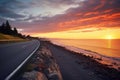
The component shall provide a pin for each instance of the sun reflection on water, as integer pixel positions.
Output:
(109, 43)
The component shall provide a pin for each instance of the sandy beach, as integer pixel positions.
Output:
(75, 66)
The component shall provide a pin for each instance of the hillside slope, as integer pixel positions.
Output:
(4, 37)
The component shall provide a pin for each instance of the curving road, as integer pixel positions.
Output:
(13, 54)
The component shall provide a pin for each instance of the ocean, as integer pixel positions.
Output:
(108, 50)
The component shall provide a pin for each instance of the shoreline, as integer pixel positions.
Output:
(89, 63)
(112, 62)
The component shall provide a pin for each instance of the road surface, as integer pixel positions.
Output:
(13, 54)
(70, 70)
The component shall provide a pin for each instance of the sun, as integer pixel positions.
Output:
(109, 37)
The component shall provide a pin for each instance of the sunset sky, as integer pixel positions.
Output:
(71, 19)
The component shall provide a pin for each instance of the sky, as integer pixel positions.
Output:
(68, 19)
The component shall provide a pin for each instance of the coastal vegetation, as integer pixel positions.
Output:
(9, 33)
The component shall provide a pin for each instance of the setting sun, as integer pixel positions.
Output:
(109, 37)
(80, 34)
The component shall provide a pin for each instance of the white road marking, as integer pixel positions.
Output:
(11, 74)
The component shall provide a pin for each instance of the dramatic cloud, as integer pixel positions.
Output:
(41, 16)
(8, 9)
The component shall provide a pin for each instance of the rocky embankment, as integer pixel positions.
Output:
(42, 66)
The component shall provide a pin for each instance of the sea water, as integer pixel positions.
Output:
(107, 49)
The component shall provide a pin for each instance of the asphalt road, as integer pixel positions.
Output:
(13, 54)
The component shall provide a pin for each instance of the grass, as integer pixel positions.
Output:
(8, 38)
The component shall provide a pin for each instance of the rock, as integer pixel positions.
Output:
(41, 76)
(30, 75)
(53, 76)
(34, 75)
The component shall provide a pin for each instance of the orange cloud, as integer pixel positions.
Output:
(102, 3)
(89, 14)
(101, 21)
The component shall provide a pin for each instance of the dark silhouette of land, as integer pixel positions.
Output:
(6, 28)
